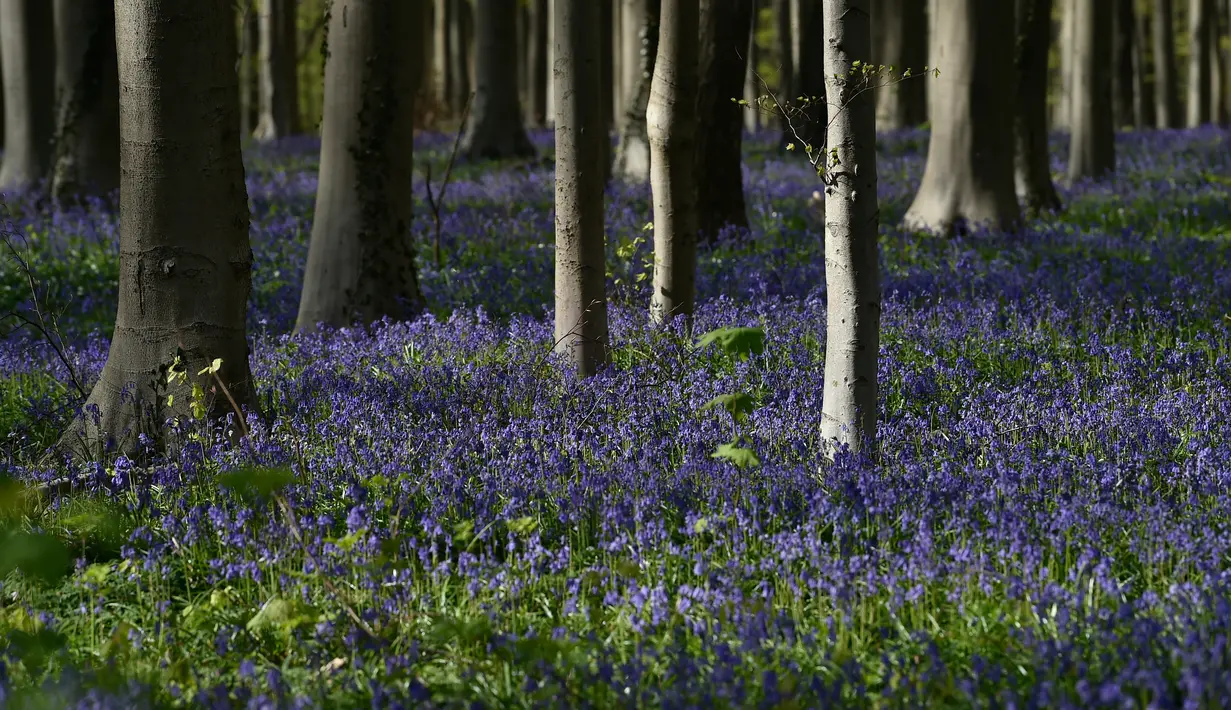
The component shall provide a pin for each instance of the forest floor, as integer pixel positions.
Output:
(435, 514)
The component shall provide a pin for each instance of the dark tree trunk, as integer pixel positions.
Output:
(1166, 94)
(1092, 147)
(898, 40)
(361, 261)
(27, 52)
(87, 144)
(1143, 80)
(807, 23)
(442, 51)
(185, 263)
(1123, 26)
(606, 81)
(495, 130)
(249, 86)
(538, 69)
(784, 59)
(1198, 63)
(1032, 163)
(726, 26)
(279, 80)
(632, 162)
(459, 54)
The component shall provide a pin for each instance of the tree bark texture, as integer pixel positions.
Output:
(1092, 147)
(726, 26)
(27, 53)
(632, 19)
(1123, 26)
(185, 262)
(1031, 161)
(632, 161)
(361, 261)
(1198, 63)
(899, 40)
(581, 300)
(537, 63)
(1166, 94)
(672, 121)
(1065, 99)
(495, 129)
(969, 173)
(606, 82)
(852, 281)
(279, 79)
(87, 139)
(752, 87)
(1143, 80)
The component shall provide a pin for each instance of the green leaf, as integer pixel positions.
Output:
(282, 616)
(38, 556)
(256, 483)
(523, 526)
(739, 404)
(740, 342)
(740, 457)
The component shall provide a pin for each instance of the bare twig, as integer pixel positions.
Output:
(436, 203)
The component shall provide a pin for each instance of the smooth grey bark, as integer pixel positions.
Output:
(1143, 80)
(752, 87)
(361, 260)
(852, 280)
(632, 160)
(1092, 147)
(87, 138)
(279, 80)
(27, 53)
(969, 173)
(495, 129)
(1065, 99)
(581, 299)
(672, 121)
(185, 262)
(1166, 94)
(1198, 63)
(725, 28)
(899, 40)
(460, 20)
(1123, 24)
(537, 68)
(1032, 165)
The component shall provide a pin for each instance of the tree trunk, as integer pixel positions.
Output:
(1032, 163)
(249, 89)
(899, 41)
(1166, 95)
(1065, 100)
(1218, 64)
(27, 53)
(537, 63)
(672, 119)
(1143, 81)
(459, 55)
(185, 263)
(808, 59)
(969, 173)
(442, 52)
(581, 300)
(752, 87)
(1092, 148)
(1122, 63)
(632, 20)
(87, 143)
(495, 130)
(784, 59)
(852, 281)
(606, 82)
(726, 26)
(632, 161)
(361, 261)
(279, 85)
(1198, 63)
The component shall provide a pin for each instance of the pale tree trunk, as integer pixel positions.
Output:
(1092, 148)
(459, 54)
(784, 58)
(495, 129)
(617, 61)
(672, 119)
(632, 161)
(852, 281)
(249, 44)
(185, 262)
(752, 88)
(1122, 62)
(1198, 63)
(537, 66)
(899, 40)
(726, 26)
(969, 173)
(1143, 82)
(279, 81)
(87, 142)
(632, 19)
(1166, 95)
(1032, 164)
(581, 299)
(549, 109)
(1065, 100)
(361, 260)
(27, 53)
(442, 52)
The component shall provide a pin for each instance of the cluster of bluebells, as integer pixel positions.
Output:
(1045, 524)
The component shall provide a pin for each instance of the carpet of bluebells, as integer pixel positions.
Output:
(465, 525)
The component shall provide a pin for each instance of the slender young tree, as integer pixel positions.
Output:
(672, 119)
(632, 160)
(87, 140)
(27, 53)
(1143, 79)
(1031, 161)
(185, 263)
(442, 67)
(1123, 24)
(495, 129)
(1198, 63)
(1166, 95)
(361, 260)
(752, 90)
(726, 26)
(852, 281)
(1092, 147)
(279, 80)
(898, 40)
(969, 173)
(581, 299)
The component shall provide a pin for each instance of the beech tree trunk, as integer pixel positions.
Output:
(581, 299)
(632, 19)
(279, 81)
(606, 83)
(1143, 81)
(442, 52)
(249, 88)
(537, 67)
(632, 161)
(87, 142)
(494, 129)
(1092, 147)
(969, 173)
(900, 40)
(1123, 26)
(185, 263)
(361, 260)
(459, 54)
(672, 119)
(1032, 162)
(852, 281)
(1065, 100)
(726, 26)
(1198, 63)
(27, 53)
(1166, 95)
(752, 86)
